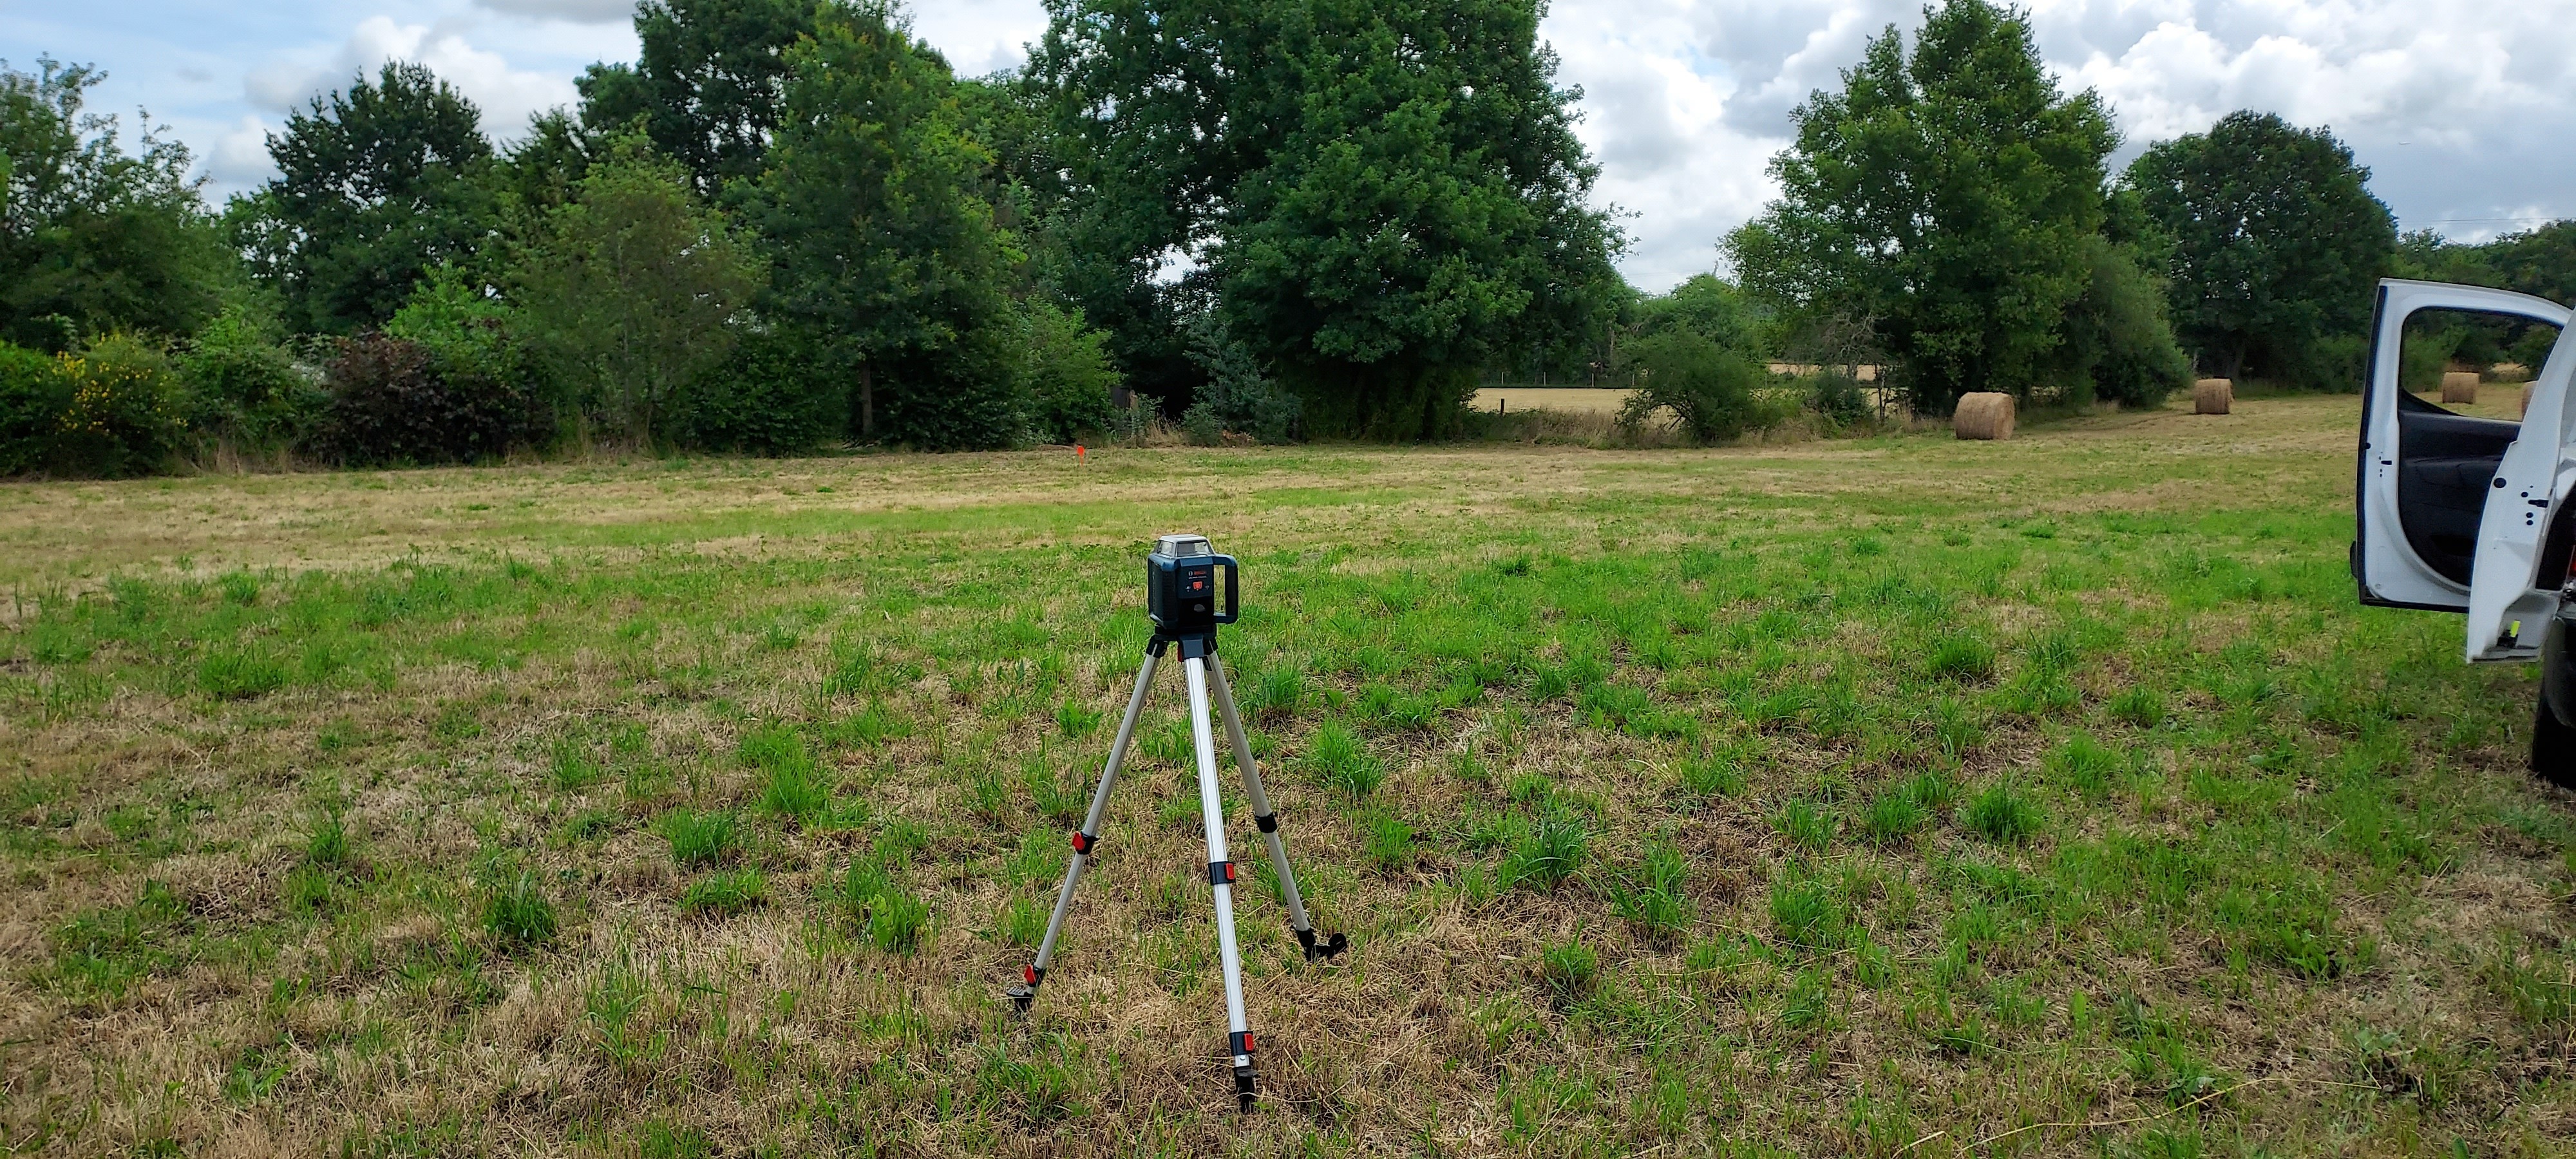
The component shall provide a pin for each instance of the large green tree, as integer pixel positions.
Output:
(1950, 195)
(708, 83)
(873, 205)
(1385, 198)
(2277, 241)
(633, 287)
(376, 186)
(92, 238)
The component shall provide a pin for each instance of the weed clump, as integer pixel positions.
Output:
(726, 893)
(1340, 761)
(2139, 707)
(1386, 842)
(1571, 971)
(2002, 815)
(1807, 827)
(701, 839)
(1550, 851)
(1961, 656)
(518, 915)
(1651, 896)
(235, 675)
(1713, 774)
(1804, 914)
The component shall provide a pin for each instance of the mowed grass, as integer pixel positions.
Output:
(1898, 797)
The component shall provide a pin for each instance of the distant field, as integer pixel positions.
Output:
(1897, 797)
(1580, 400)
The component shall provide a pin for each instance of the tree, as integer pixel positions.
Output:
(707, 85)
(1948, 195)
(882, 239)
(634, 285)
(93, 239)
(375, 186)
(1706, 305)
(2277, 242)
(1385, 200)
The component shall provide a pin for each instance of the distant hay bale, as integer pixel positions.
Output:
(1983, 416)
(2459, 386)
(2213, 396)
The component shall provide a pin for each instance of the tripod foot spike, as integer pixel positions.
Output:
(1246, 1089)
(1325, 950)
(1027, 991)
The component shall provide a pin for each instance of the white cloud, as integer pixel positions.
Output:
(506, 95)
(574, 11)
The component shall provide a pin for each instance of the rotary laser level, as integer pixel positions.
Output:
(1189, 590)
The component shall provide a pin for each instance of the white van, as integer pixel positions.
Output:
(2462, 514)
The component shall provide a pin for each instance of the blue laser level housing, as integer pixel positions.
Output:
(1189, 588)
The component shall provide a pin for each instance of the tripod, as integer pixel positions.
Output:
(1181, 578)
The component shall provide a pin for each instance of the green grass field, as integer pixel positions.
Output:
(1889, 797)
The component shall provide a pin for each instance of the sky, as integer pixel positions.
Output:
(2464, 110)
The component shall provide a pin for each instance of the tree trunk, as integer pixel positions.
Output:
(867, 403)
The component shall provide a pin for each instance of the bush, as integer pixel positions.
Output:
(125, 416)
(35, 392)
(1837, 396)
(2118, 346)
(1066, 373)
(396, 401)
(1710, 387)
(1238, 396)
(245, 387)
(776, 392)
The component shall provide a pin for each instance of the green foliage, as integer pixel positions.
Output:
(1711, 388)
(1341, 760)
(1238, 395)
(1714, 774)
(519, 915)
(1552, 849)
(1396, 196)
(1894, 816)
(705, 83)
(792, 784)
(126, 414)
(1948, 195)
(725, 893)
(1571, 970)
(35, 393)
(872, 206)
(1804, 913)
(377, 185)
(237, 674)
(1386, 842)
(1065, 371)
(2118, 347)
(1652, 894)
(2002, 815)
(2276, 241)
(244, 386)
(1962, 656)
(893, 918)
(1807, 828)
(633, 288)
(1710, 307)
(95, 240)
(700, 839)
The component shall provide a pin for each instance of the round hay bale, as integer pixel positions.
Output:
(1983, 415)
(2213, 396)
(2459, 386)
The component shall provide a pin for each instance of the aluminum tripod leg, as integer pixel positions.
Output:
(1220, 873)
(1267, 821)
(1089, 835)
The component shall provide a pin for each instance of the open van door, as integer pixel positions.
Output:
(2425, 476)
(2521, 565)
